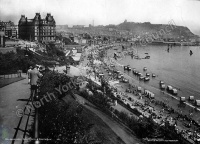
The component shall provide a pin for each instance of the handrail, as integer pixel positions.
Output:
(36, 122)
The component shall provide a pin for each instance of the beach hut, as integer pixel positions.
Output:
(133, 70)
(115, 102)
(197, 102)
(151, 95)
(119, 76)
(162, 86)
(182, 99)
(169, 88)
(148, 93)
(128, 68)
(136, 72)
(145, 69)
(191, 98)
(139, 89)
(174, 91)
(139, 74)
(161, 82)
(125, 67)
(101, 75)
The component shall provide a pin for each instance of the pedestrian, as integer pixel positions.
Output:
(34, 77)
(28, 73)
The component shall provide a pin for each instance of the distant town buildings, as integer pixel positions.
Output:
(78, 26)
(2, 39)
(9, 29)
(37, 29)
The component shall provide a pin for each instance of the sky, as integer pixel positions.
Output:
(103, 12)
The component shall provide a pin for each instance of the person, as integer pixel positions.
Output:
(34, 77)
(28, 73)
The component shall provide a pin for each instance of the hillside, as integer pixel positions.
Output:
(141, 28)
(132, 29)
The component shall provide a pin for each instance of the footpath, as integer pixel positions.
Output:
(120, 130)
(13, 99)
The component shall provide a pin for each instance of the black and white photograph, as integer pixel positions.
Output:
(99, 71)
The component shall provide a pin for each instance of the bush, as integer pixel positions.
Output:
(59, 121)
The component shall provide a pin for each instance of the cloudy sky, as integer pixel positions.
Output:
(103, 12)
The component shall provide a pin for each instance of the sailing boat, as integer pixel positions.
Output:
(147, 56)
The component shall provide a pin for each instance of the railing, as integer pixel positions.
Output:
(14, 75)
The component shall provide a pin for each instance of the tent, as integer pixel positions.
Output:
(191, 98)
(197, 102)
(182, 99)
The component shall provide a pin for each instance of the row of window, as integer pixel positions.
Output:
(45, 33)
(45, 38)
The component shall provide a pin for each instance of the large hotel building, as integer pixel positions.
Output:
(37, 29)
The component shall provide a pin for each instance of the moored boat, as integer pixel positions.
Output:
(146, 79)
(141, 77)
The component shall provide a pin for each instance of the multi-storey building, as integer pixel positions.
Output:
(9, 29)
(37, 29)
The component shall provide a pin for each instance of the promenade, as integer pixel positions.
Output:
(13, 98)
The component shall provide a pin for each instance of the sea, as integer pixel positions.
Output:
(175, 66)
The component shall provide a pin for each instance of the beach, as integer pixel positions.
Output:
(153, 85)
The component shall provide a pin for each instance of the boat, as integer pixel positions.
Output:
(147, 57)
(153, 75)
(140, 74)
(147, 74)
(146, 79)
(191, 52)
(141, 78)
